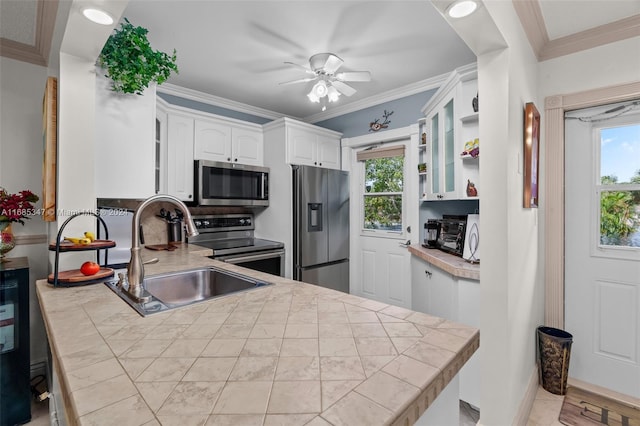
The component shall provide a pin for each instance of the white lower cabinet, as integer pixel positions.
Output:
(436, 292)
(180, 156)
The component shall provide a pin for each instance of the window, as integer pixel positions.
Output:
(384, 185)
(618, 188)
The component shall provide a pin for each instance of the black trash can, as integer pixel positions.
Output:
(554, 351)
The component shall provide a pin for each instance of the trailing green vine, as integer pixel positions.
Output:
(130, 61)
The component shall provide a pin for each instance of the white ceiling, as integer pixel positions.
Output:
(237, 49)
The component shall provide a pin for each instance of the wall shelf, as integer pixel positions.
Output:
(472, 118)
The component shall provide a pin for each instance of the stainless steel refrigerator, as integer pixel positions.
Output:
(321, 227)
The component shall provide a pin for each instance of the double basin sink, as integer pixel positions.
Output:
(176, 289)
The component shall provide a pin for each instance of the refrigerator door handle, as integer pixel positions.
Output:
(314, 217)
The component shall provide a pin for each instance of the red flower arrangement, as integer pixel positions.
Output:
(16, 207)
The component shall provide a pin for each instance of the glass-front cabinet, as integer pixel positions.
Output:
(449, 150)
(441, 181)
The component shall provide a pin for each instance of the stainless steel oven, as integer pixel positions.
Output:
(231, 239)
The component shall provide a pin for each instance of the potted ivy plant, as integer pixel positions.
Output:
(131, 63)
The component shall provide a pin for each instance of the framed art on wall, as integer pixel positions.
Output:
(531, 155)
(49, 138)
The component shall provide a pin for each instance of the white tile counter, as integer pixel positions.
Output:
(289, 353)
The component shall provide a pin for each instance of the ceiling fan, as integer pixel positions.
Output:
(323, 67)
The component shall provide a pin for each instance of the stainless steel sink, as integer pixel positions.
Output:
(176, 289)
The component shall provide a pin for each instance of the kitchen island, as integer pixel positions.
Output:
(289, 353)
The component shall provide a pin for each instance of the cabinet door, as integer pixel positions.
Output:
(180, 157)
(161, 152)
(247, 146)
(328, 152)
(212, 141)
(124, 139)
(302, 147)
(448, 149)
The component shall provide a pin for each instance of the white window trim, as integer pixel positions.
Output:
(380, 233)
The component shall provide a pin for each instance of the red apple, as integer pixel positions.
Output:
(89, 268)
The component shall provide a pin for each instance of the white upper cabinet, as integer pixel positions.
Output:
(219, 141)
(124, 142)
(313, 148)
(451, 127)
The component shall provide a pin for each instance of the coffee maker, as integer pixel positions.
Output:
(431, 233)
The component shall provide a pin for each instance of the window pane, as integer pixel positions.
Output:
(435, 154)
(449, 178)
(383, 212)
(620, 155)
(384, 174)
(620, 218)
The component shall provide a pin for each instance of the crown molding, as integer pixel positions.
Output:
(532, 21)
(38, 53)
(391, 95)
(401, 92)
(598, 36)
(206, 98)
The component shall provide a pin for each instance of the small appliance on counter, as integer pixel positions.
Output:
(452, 234)
(431, 231)
(471, 251)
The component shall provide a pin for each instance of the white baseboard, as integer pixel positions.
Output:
(526, 404)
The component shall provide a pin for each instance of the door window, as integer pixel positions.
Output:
(618, 189)
(383, 188)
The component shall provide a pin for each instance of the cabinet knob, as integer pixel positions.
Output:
(320, 164)
(235, 159)
(228, 158)
(315, 163)
(189, 195)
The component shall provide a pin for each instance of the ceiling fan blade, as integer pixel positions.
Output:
(307, 70)
(345, 89)
(332, 64)
(301, 80)
(354, 76)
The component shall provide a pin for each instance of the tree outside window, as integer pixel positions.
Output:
(384, 180)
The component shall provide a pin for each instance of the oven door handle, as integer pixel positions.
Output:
(250, 257)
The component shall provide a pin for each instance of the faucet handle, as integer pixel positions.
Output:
(121, 281)
(151, 261)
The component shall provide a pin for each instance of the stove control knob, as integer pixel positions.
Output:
(241, 221)
(205, 223)
(197, 223)
(248, 222)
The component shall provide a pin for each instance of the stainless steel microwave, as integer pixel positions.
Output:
(230, 184)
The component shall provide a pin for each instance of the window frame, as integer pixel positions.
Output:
(381, 233)
(598, 249)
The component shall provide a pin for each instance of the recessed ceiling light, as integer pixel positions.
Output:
(462, 8)
(98, 16)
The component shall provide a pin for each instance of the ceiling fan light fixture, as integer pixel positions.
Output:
(97, 15)
(333, 94)
(312, 97)
(320, 89)
(462, 8)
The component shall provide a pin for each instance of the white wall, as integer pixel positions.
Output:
(603, 66)
(21, 154)
(512, 285)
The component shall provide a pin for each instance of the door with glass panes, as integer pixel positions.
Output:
(602, 245)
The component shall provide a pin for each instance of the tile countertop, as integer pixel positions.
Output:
(291, 353)
(456, 266)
